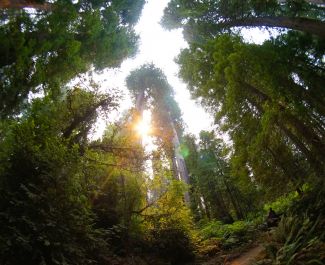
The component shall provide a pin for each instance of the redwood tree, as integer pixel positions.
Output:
(201, 19)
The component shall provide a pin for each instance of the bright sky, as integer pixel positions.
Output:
(159, 47)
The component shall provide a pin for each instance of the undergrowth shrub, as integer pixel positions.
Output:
(172, 244)
(299, 237)
(297, 241)
(283, 203)
(230, 235)
(45, 215)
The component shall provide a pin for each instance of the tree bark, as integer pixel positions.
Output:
(307, 25)
(20, 4)
(139, 104)
(304, 131)
(175, 169)
(286, 169)
(221, 209)
(139, 108)
(315, 2)
(234, 202)
(310, 156)
(84, 117)
(180, 162)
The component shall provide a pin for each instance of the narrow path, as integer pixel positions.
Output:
(249, 257)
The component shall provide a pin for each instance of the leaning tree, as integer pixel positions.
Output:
(206, 19)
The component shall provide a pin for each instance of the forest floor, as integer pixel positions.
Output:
(247, 257)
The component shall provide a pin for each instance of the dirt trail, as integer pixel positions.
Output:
(249, 257)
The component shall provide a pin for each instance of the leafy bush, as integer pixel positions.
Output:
(213, 229)
(172, 244)
(297, 241)
(283, 203)
(209, 247)
(230, 234)
(299, 237)
(45, 214)
(312, 203)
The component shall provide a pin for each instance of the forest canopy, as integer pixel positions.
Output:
(256, 178)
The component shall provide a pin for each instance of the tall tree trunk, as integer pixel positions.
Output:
(309, 136)
(233, 200)
(310, 156)
(292, 172)
(175, 168)
(307, 25)
(139, 108)
(180, 162)
(315, 99)
(304, 131)
(139, 104)
(221, 209)
(20, 4)
(202, 208)
(90, 112)
(315, 2)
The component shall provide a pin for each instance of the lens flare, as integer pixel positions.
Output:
(143, 128)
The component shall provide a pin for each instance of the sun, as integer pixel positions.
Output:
(143, 127)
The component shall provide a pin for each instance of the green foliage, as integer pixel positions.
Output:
(205, 19)
(297, 241)
(168, 222)
(150, 84)
(45, 50)
(65, 199)
(172, 244)
(230, 235)
(45, 208)
(283, 203)
(299, 237)
(312, 201)
(261, 109)
(213, 229)
(168, 209)
(215, 191)
(121, 187)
